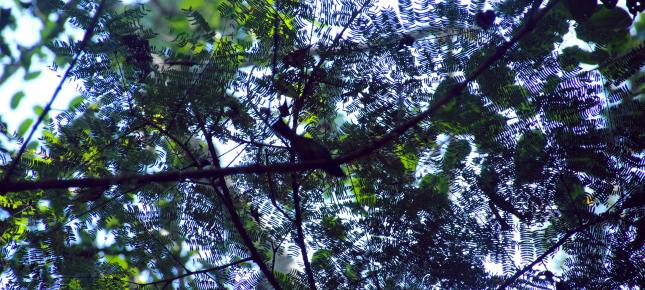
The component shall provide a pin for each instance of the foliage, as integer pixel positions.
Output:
(521, 140)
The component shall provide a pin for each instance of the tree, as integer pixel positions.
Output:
(454, 140)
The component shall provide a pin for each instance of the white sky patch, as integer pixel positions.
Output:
(493, 268)
(556, 263)
(571, 39)
(143, 277)
(39, 90)
(104, 239)
(4, 214)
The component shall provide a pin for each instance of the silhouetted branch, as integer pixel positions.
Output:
(41, 117)
(228, 202)
(552, 249)
(456, 90)
(273, 192)
(169, 176)
(190, 273)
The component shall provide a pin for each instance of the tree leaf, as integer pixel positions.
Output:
(76, 101)
(38, 109)
(25, 126)
(32, 75)
(15, 100)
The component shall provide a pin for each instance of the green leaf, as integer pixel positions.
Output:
(606, 27)
(38, 109)
(321, 254)
(432, 194)
(365, 198)
(572, 56)
(76, 101)
(436, 183)
(588, 161)
(530, 157)
(333, 227)
(33, 145)
(32, 75)
(455, 155)
(407, 158)
(26, 63)
(321, 259)
(15, 100)
(350, 273)
(24, 126)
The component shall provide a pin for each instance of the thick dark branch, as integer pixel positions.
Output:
(170, 176)
(254, 143)
(300, 237)
(86, 39)
(103, 277)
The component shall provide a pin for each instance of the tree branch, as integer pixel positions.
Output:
(169, 280)
(230, 207)
(456, 90)
(168, 176)
(86, 39)
(300, 237)
(552, 249)
(189, 273)
(273, 192)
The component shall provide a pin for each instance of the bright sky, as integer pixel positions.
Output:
(39, 90)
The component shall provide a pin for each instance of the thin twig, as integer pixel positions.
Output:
(190, 273)
(86, 39)
(552, 249)
(444, 99)
(272, 191)
(225, 196)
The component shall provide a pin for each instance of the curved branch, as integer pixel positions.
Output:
(273, 192)
(300, 237)
(169, 280)
(41, 117)
(552, 249)
(168, 176)
(456, 90)
(225, 196)
(190, 273)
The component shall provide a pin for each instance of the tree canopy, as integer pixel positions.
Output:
(430, 144)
